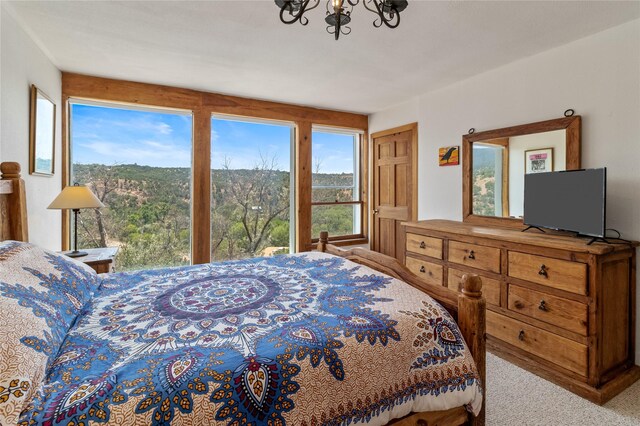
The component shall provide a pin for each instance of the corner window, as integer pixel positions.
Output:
(336, 206)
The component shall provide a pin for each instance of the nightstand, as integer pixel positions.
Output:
(102, 260)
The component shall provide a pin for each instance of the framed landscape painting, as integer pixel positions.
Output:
(42, 131)
(538, 160)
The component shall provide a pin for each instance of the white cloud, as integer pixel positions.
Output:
(137, 124)
(163, 128)
(214, 135)
(149, 152)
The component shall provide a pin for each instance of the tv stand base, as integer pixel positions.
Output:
(598, 239)
(534, 227)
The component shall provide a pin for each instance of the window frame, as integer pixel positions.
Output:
(203, 104)
(358, 161)
(67, 225)
(292, 165)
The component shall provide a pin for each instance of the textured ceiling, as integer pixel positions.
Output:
(241, 48)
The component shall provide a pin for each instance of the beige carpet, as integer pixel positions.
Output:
(517, 397)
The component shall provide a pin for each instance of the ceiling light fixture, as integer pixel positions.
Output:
(339, 13)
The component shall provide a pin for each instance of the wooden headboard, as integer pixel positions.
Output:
(13, 204)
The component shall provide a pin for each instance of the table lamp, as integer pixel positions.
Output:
(74, 198)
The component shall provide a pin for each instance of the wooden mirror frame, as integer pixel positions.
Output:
(34, 124)
(571, 124)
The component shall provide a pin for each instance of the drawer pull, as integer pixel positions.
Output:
(422, 245)
(518, 304)
(543, 271)
(521, 335)
(472, 255)
(543, 306)
(422, 269)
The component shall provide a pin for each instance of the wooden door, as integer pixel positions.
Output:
(394, 187)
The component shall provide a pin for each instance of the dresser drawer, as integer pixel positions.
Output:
(490, 287)
(568, 314)
(551, 347)
(427, 246)
(430, 272)
(475, 256)
(556, 273)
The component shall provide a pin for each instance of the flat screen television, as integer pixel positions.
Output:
(573, 200)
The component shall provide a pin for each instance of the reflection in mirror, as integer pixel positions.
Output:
(499, 166)
(42, 130)
(490, 177)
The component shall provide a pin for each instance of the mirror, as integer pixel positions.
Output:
(42, 131)
(496, 161)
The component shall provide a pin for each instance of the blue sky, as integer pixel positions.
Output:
(244, 144)
(120, 136)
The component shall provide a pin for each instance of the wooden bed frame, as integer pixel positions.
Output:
(468, 307)
(13, 204)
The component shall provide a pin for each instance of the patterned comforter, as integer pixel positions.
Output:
(288, 340)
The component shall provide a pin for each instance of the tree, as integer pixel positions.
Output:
(147, 214)
(317, 165)
(260, 197)
(102, 180)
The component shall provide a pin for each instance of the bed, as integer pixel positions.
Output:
(328, 337)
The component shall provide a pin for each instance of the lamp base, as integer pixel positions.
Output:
(76, 253)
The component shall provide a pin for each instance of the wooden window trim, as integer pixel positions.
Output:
(204, 105)
(334, 203)
(363, 183)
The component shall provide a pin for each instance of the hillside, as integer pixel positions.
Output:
(148, 213)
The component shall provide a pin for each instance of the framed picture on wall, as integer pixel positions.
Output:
(538, 160)
(449, 156)
(42, 133)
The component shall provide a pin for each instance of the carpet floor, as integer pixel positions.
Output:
(517, 397)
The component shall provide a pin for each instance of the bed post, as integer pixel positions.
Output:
(472, 318)
(322, 243)
(16, 203)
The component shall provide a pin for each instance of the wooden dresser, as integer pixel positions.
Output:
(555, 306)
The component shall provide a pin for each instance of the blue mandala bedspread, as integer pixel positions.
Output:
(288, 340)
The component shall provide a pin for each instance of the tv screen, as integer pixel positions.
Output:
(573, 200)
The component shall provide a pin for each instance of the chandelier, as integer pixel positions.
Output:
(339, 13)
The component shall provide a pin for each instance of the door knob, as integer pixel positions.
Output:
(375, 211)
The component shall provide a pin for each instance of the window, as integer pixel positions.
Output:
(252, 188)
(335, 194)
(138, 163)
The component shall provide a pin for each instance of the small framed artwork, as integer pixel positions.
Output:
(538, 160)
(42, 133)
(449, 156)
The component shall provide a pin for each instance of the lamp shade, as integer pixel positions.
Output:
(75, 197)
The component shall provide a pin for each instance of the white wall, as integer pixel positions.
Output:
(517, 146)
(598, 76)
(23, 63)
